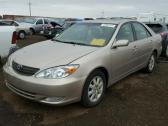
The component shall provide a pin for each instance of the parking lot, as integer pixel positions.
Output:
(138, 100)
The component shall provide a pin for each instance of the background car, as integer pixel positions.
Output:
(35, 24)
(21, 29)
(161, 28)
(54, 28)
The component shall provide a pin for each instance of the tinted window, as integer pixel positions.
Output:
(40, 21)
(157, 28)
(7, 22)
(3, 24)
(45, 21)
(141, 32)
(125, 33)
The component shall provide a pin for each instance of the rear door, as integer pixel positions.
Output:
(143, 44)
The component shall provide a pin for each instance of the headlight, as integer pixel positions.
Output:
(57, 72)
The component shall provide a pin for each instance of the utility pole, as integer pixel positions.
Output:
(102, 13)
(30, 8)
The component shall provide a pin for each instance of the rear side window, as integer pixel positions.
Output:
(7, 22)
(40, 21)
(140, 31)
(125, 33)
(157, 28)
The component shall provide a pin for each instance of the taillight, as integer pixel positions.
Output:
(14, 38)
(163, 34)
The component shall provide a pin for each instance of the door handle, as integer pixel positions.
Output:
(134, 48)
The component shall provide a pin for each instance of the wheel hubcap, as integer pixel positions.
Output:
(22, 35)
(95, 89)
(151, 63)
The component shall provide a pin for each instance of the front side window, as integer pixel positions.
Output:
(141, 32)
(125, 33)
(91, 34)
(45, 21)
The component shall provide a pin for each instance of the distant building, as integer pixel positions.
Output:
(152, 17)
(14, 17)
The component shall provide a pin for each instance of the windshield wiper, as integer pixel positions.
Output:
(58, 40)
(74, 43)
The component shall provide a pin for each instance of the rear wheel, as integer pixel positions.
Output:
(22, 35)
(94, 89)
(151, 63)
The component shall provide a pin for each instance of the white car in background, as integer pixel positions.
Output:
(22, 29)
(36, 25)
(8, 39)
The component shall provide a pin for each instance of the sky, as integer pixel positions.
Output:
(83, 8)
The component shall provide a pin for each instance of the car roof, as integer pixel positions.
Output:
(111, 21)
(6, 20)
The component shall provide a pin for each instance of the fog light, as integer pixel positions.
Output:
(53, 99)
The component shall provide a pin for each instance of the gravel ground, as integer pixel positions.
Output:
(138, 100)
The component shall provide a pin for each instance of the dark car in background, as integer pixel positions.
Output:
(55, 27)
(162, 29)
(52, 29)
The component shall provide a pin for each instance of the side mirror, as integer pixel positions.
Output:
(120, 43)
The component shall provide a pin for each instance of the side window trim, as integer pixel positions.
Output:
(134, 33)
(147, 31)
(134, 37)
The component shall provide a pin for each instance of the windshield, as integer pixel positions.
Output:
(91, 34)
(28, 20)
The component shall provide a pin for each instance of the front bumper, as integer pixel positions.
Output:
(55, 91)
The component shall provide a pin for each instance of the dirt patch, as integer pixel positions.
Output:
(30, 40)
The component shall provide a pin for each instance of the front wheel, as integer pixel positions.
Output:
(94, 89)
(151, 63)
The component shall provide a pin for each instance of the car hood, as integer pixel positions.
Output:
(49, 54)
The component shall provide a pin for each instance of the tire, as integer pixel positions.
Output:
(93, 93)
(32, 32)
(151, 64)
(22, 34)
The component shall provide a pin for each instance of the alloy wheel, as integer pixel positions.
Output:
(95, 89)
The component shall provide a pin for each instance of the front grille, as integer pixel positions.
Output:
(24, 70)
